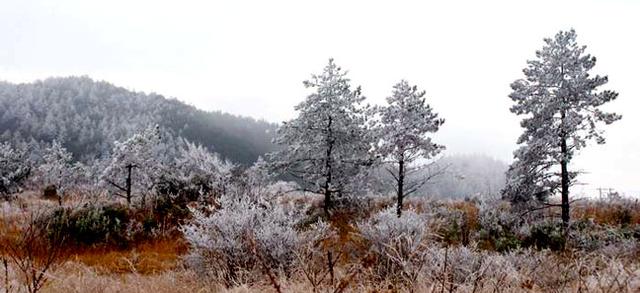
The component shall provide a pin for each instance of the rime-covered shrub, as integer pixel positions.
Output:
(467, 269)
(14, 168)
(623, 249)
(241, 237)
(499, 228)
(254, 182)
(463, 268)
(397, 242)
(453, 222)
(312, 243)
(198, 176)
(358, 206)
(451, 230)
(586, 235)
(198, 173)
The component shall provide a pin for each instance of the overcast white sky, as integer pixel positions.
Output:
(250, 58)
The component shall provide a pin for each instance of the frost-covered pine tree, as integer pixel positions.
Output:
(406, 122)
(136, 164)
(14, 168)
(561, 103)
(327, 146)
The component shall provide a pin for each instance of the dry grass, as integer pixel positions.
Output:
(146, 258)
(76, 277)
(156, 266)
(608, 212)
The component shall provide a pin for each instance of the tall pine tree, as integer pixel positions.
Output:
(561, 104)
(406, 122)
(327, 146)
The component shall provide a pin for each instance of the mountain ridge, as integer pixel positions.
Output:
(88, 116)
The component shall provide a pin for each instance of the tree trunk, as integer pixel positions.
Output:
(128, 184)
(327, 191)
(327, 199)
(564, 161)
(400, 186)
(328, 175)
(564, 183)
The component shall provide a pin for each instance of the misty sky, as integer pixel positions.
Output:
(250, 58)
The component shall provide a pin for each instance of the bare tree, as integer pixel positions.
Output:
(38, 248)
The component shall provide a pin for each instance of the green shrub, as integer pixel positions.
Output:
(636, 232)
(171, 209)
(507, 242)
(454, 226)
(91, 225)
(623, 216)
(546, 234)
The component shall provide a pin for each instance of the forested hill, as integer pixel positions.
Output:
(87, 116)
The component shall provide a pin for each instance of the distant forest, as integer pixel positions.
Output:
(88, 116)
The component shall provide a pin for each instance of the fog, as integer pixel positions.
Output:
(250, 57)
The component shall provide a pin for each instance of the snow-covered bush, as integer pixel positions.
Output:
(241, 237)
(452, 225)
(200, 171)
(588, 236)
(499, 227)
(457, 266)
(317, 243)
(397, 242)
(254, 182)
(624, 249)
(14, 168)
(466, 269)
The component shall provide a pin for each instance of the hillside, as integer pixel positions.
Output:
(88, 116)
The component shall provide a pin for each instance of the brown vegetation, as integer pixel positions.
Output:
(453, 258)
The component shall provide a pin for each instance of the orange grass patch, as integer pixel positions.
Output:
(471, 213)
(9, 230)
(146, 258)
(622, 212)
